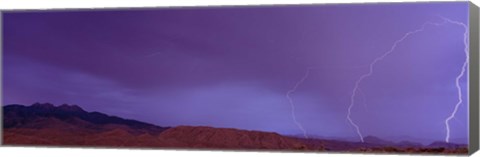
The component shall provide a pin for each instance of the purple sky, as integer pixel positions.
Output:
(232, 66)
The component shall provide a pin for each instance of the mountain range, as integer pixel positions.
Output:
(70, 125)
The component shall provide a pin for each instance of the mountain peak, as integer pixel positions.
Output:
(19, 115)
(376, 140)
(43, 105)
(372, 138)
(63, 107)
(71, 108)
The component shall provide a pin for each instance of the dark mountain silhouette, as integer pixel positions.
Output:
(46, 124)
(423, 141)
(19, 116)
(377, 141)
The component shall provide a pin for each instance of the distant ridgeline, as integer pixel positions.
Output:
(70, 125)
(46, 124)
(19, 116)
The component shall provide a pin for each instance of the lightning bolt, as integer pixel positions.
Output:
(380, 58)
(459, 76)
(363, 97)
(292, 105)
(294, 89)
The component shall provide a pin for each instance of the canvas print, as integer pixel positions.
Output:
(361, 78)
